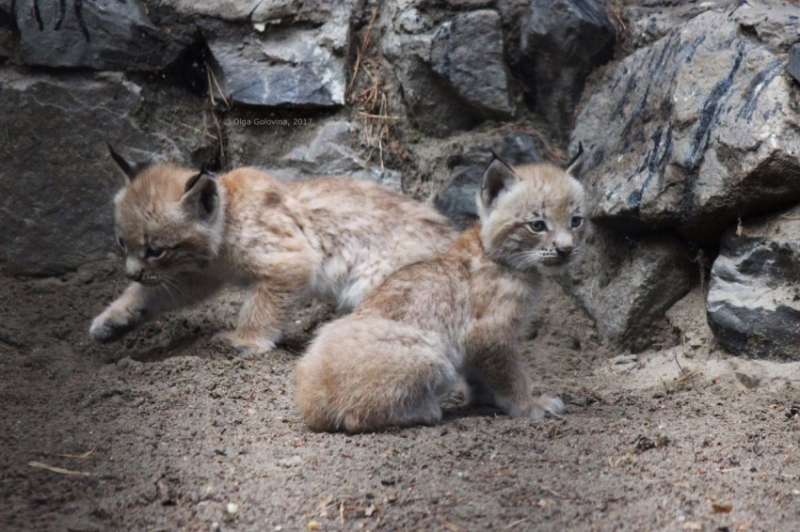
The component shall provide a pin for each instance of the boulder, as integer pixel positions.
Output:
(282, 67)
(561, 41)
(292, 151)
(691, 133)
(314, 11)
(650, 20)
(467, 51)
(627, 284)
(328, 152)
(775, 24)
(754, 290)
(452, 71)
(56, 178)
(457, 199)
(99, 35)
(300, 62)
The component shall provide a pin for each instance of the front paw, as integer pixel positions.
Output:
(245, 345)
(547, 404)
(110, 326)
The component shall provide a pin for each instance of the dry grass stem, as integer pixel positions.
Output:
(61, 471)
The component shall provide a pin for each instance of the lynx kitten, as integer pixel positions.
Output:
(458, 316)
(186, 234)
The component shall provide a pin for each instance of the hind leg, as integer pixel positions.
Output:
(367, 373)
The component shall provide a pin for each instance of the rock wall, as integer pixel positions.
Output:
(688, 111)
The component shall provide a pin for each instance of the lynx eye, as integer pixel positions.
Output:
(537, 227)
(121, 243)
(576, 222)
(154, 253)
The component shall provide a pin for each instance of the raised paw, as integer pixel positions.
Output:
(547, 404)
(110, 326)
(245, 346)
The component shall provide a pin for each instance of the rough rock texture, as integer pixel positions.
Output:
(561, 41)
(651, 20)
(692, 132)
(328, 153)
(754, 291)
(280, 68)
(776, 24)
(457, 199)
(467, 51)
(451, 71)
(56, 180)
(101, 35)
(316, 11)
(297, 62)
(626, 284)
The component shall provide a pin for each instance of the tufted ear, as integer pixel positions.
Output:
(574, 165)
(498, 178)
(129, 169)
(201, 197)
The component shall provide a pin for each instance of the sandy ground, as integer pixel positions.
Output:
(163, 431)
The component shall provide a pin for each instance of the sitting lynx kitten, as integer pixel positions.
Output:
(186, 234)
(460, 315)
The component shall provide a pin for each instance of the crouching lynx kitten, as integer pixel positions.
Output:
(460, 315)
(186, 234)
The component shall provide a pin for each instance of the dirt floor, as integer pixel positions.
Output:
(164, 431)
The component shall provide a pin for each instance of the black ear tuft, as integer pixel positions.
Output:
(200, 194)
(192, 181)
(128, 168)
(574, 165)
(497, 178)
(195, 178)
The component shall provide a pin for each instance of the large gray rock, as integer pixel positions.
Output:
(329, 152)
(775, 23)
(101, 35)
(650, 20)
(452, 71)
(316, 11)
(467, 51)
(754, 291)
(691, 133)
(293, 151)
(457, 199)
(561, 41)
(300, 62)
(282, 67)
(56, 178)
(627, 284)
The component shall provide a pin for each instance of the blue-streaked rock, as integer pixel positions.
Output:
(692, 132)
(754, 291)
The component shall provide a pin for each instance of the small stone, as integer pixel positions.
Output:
(232, 508)
(294, 461)
(624, 359)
